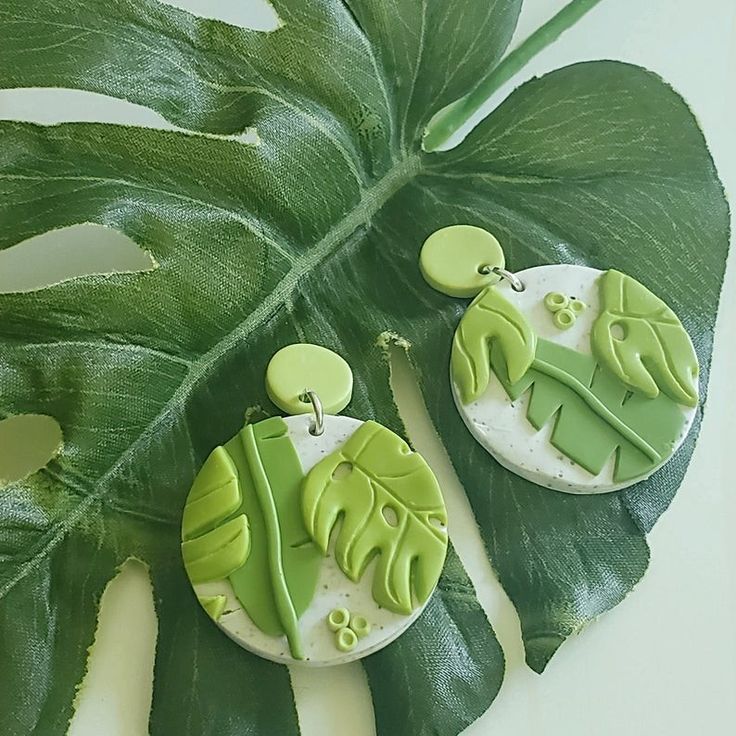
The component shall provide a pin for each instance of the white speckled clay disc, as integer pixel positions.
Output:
(334, 590)
(501, 425)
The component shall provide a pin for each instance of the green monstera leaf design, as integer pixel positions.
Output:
(309, 231)
(491, 320)
(653, 351)
(388, 503)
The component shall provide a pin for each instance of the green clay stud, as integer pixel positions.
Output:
(564, 318)
(360, 626)
(346, 640)
(577, 306)
(459, 260)
(338, 619)
(328, 374)
(554, 301)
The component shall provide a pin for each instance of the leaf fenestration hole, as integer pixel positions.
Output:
(27, 443)
(389, 514)
(342, 471)
(618, 331)
(258, 15)
(120, 662)
(67, 253)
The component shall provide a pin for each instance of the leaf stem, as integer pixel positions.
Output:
(451, 118)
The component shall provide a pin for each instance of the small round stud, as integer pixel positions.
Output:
(555, 301)
(577, 306)
(346, 640)
(460, 260)
(301, 368)
(564, 318)
(338, 618)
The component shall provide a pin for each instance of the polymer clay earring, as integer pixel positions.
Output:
(579, 380)
(313, 538)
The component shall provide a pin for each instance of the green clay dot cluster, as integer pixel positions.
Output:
(348, 628)
(565, 310)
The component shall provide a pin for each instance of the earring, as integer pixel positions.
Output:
(576, 379)
(314, 537)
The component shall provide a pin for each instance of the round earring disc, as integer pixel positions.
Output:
(302, 367)
(458, 260)
(501, 425)
(334, 590)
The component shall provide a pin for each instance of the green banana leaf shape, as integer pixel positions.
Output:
(595, 414)
(655, 352)
(491, 319)
(391, 506)
(212, 549)
(257, 475)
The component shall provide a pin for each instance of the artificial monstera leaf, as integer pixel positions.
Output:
(388, 503)
(312, 233)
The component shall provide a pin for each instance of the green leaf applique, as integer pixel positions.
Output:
(278, 580)
(212, 549)
(595, 414)
(491, 319)
(391, 506)
(653, 351)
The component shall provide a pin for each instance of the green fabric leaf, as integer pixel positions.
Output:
(654, 351)
(388, 503)
(491, 319)
(311, 235)
(418, 678)
(594, 414)
(147, 373)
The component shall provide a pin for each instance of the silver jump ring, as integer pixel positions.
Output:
(516, 283)
(318, 422)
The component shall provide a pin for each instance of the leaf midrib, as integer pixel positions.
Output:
(597, 406)
(371, 201)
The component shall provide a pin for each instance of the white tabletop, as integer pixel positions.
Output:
(662, 662)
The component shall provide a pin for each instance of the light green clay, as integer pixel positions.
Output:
(275, 577)
(346, 640)
(640, 339)
(338, 619)
(389, 504)
(595, 415)
(217, 553)
(457, 260)
(359, 624)
(302, 367)
(555, 301)
(564, 318)
(214, 495)
(577, 306)
(213, 604)
(278, 581)
(490, 320)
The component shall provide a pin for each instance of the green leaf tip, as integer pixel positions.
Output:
(381, 475)
(213, 604)
(491, 320)
(641, 341)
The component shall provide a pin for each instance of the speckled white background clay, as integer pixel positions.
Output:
(501, 426)
(334, 589)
